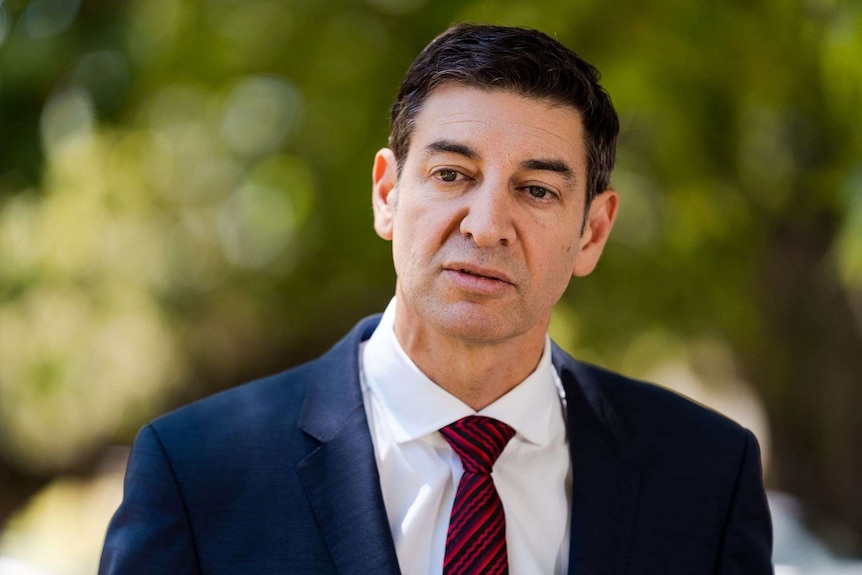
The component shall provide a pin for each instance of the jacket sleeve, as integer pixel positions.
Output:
(747, 538)
(150, 533)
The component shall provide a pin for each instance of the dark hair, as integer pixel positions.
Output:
(521, 60)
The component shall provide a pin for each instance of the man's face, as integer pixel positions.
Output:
(486, 217)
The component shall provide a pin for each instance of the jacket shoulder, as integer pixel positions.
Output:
(275, 393)
(656, 423)
(645, 402)
(272, 404)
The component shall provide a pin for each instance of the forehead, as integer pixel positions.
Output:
(500, 122)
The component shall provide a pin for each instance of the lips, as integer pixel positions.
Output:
(479, 271)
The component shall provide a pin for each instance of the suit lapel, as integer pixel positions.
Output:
(605, 484)
(340, 476)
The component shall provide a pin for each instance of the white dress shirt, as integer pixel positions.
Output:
(419, 471)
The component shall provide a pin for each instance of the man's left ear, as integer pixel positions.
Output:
(603, 212)
(384, 180)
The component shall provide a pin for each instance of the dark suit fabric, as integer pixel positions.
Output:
(279, 476)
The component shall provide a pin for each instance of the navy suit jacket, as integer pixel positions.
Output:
(279, 476)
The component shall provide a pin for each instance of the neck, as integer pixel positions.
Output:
(476, 373)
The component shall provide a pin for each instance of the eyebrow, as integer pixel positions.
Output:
(557, 166)
(448, 146)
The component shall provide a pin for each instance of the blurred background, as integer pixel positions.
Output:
(185, 205)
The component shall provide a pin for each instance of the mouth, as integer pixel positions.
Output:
(479, 272)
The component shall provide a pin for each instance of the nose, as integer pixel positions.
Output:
(488, 220)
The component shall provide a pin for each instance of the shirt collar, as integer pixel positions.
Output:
(415, 406)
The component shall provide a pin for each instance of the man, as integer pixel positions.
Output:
(451, 435)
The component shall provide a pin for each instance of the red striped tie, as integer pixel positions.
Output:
(476, 541)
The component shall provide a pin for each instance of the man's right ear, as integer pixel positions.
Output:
(384, 191)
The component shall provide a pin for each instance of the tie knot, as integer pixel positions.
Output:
(478, 441)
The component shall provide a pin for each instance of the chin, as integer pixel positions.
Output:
(476, 325)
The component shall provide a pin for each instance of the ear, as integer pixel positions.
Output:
(384, 178)
(600, 220)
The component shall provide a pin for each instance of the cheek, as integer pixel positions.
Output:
(566, 259)
(409, 248)
(402, 246)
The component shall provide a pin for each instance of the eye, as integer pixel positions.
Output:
(447, 175)
(538, 191)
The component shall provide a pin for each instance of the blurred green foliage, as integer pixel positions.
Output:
(184, 204)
